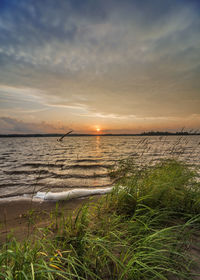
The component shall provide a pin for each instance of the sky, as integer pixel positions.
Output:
(110, 65)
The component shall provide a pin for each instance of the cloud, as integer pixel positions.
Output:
(104, 58)
(14, 126)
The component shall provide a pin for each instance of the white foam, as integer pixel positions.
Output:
(66, 195)
(21, 198)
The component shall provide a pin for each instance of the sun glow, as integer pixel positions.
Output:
(98, 129)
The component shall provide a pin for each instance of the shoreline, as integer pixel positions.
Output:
(15, 215)
(153, 223)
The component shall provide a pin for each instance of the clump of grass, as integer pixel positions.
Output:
(139, 231)
(169, 184)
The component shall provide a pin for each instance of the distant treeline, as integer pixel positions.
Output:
(149, 133)
(170, 133)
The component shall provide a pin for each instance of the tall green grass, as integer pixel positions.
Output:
(139, 231)
(169, 184)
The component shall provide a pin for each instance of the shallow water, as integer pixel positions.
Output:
(28, 165)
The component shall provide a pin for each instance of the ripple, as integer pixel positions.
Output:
(88, 166)
(26, 172)
(39, 163)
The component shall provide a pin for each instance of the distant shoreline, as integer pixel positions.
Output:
(158, 133)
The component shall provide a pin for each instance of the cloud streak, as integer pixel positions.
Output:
(14, 126)
(101, 58)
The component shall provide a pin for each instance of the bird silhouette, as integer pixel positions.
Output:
(61, 138)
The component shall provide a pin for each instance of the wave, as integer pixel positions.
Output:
(76, 193)
(78, 176)
(2, 158)
(31, 189)
(71, 166)
(37, 165)
(87, 166)
(76, 185)
(6, 185)
(88, 160)
(26, 172)
(50, 174)
(55, 196)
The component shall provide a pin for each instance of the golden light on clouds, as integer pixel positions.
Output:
(124, 69)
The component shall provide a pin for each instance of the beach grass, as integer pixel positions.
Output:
(141, 230)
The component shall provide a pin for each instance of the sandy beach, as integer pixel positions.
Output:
(15, 215)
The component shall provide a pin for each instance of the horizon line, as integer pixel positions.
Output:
(149, 133)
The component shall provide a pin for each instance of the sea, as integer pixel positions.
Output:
(33, 164)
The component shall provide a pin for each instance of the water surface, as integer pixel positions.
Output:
(28, 165)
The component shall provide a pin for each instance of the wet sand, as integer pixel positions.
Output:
(21, 218)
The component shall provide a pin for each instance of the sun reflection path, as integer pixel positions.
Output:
(98, 147)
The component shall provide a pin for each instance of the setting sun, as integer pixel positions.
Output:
(98, 129)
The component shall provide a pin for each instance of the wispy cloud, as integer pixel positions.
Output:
(101, 59)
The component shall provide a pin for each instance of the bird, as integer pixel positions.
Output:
(61, 138)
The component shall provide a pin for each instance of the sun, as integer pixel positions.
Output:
(98, 129)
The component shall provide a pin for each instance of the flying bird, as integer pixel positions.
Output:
(61, 138)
